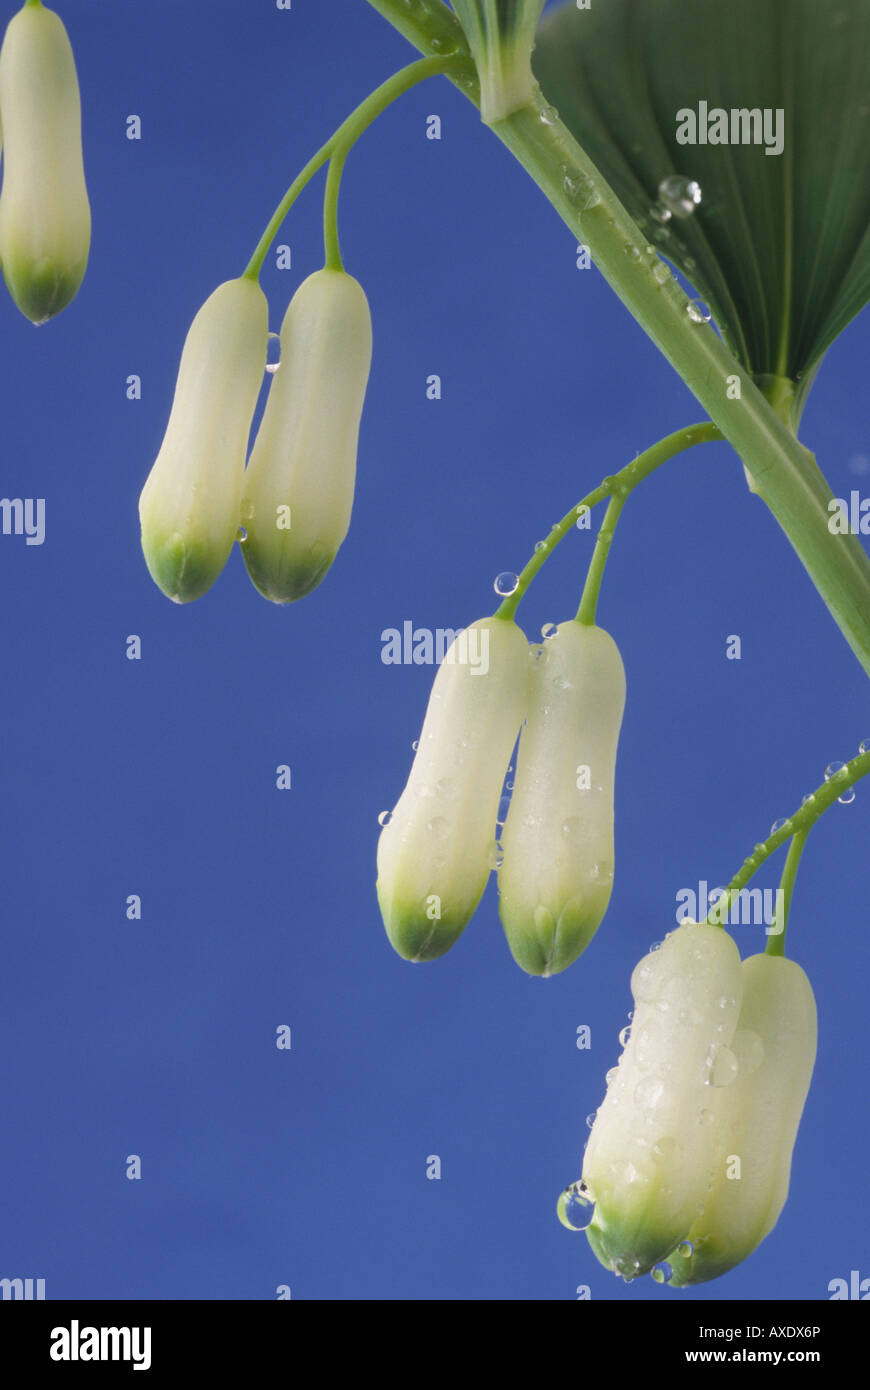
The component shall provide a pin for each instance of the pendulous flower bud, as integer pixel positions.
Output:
(189, 507)
(755, 1120)
(650, 1154)
(557, 874)
(45, 217)
(299, 485)
(436, 851)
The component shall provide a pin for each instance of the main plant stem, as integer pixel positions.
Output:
(784, 474)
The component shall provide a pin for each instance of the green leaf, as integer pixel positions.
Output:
(779, 245)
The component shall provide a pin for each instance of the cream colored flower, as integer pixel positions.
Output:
(45, 217)
(190, 504)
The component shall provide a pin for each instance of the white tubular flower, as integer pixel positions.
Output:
(436, 851)
(190, 503)
(756, 1119)
(299, 486)
(650, 1154)
(557, 875)
(45, 217)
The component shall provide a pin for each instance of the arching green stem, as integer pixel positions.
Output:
(798, 825)
(595, 574)
(622, 483)
(776, 940)
(331, 246)
(346, 135)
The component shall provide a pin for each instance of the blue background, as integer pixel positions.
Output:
(157, 777)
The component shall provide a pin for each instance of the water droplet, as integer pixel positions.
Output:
(273, 353)
(662, 1272)
(656, 946)
(680, 196)
(808, 799)
(495, 858)
(549, 630)
(540, 545)
(865, 746)
(722, 1066)
(579, 188)
(759, 848)
(610, 1075)
(590, 1119)
(660, 273)
(685, 1249)
(624, 1035)
(442, 44)
(501, 814)
(698, 311)
(385, 817)
(705, 1117)
(416, 744)
(506, 583)
(648, 1093)
(241, 534)
(576, 1207)
(833, 769)
(660, 213)
(549, 115)
(778, 825)
(847, 797)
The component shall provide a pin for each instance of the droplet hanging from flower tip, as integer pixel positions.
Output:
(576, 1207)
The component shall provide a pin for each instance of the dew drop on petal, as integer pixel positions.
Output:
(495, 858)
(662, 1272)
(385, 817)
(685, 1249)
